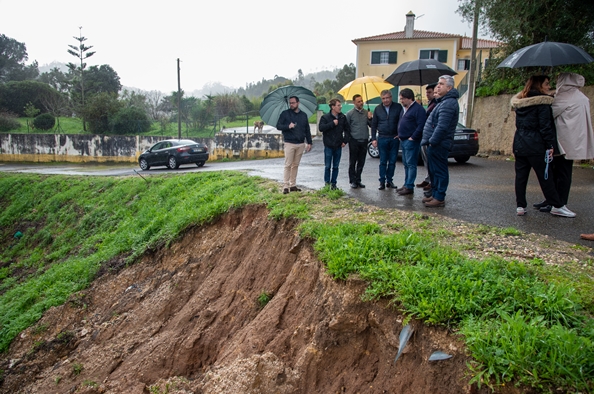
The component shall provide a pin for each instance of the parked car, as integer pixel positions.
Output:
(173, 153)
(466, 144)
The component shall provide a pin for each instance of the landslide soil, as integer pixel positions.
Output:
(186, 319)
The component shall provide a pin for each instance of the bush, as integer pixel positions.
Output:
(16, 95)
(99, 110)
(8, 121)
(44, 122)
(131, 120)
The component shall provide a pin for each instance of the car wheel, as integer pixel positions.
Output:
(144, 166)
(373, 151)
(462, 159)
(172, 162)
(200, 163)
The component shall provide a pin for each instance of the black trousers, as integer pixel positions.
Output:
(562, 172)
(357, 155)
(523, 166)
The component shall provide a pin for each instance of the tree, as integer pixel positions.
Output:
(13, 55)
(81, 52)
(130, 120)
(56, 79)
(99, 110)
(102, 79)
(15, 95)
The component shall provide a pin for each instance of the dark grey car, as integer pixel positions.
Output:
(173, 153)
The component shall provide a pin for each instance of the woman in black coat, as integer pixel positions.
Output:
(534, 142)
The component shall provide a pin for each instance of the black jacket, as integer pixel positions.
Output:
(535, 127)
(384, 124)
(334, 135)
(297, 134)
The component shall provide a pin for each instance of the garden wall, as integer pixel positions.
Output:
(103, 148)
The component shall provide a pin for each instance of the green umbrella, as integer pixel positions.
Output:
(278, 100)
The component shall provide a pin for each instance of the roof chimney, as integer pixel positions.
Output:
(410, 25)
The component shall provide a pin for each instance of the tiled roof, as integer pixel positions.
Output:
(481, 44)
(400, 35)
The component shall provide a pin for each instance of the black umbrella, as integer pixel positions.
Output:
(278, 100)
(547, 54)
(419, 72)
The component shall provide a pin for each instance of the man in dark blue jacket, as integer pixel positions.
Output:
(295, 127)
(335, 128)
(410, 132)
(438, 135)
(384, 136)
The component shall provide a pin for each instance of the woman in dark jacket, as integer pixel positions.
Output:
(534, 142)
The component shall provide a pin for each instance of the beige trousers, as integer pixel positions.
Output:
(293, 153)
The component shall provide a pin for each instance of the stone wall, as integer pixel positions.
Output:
(103, 148)
(496, 122)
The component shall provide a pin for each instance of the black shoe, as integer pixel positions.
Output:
(285, 191)
(539, 205)
(428, 193)
(295, 189)
(333, 187)
(382, 186)
(546, 208)
(390, 185)
(400, 189)
(354, 185)
(404, 191)
(362, 186)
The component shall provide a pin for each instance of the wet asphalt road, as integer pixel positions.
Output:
(480, 191)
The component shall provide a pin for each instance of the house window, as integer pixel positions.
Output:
(463, 64)
(440, 55)
(384, 57)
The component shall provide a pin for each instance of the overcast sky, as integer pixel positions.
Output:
(231, 42)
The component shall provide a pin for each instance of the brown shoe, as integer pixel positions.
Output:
(427, 199)
(435, 203)
(294, 189)
(423, 184)
(427, 188)
(285, 191)
(588, 237)
(404, 191)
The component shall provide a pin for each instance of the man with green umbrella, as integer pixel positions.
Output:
(294, 125)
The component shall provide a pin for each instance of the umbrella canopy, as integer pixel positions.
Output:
(367, 87)
(547, 54)
(419, 72)
(278, 100)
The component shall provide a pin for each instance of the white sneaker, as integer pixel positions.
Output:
(520, 211)
(563, 211)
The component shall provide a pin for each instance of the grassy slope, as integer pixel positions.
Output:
(526, 322)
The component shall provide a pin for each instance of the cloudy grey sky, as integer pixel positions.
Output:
(232, 42)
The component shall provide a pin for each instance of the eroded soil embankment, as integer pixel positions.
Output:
(187, 318)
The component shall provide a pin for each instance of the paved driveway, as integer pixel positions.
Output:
(480, 191)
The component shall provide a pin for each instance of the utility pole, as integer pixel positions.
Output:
(178, 102)
(473, 65)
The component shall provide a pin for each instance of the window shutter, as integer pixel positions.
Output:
(375, 57)
(442, 56)
(424, 54)
(393, 57)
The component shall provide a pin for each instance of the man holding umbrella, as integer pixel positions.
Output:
(294, 125)
(384, 136)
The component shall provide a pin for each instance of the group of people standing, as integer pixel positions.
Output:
(553, 128)
(406, 125)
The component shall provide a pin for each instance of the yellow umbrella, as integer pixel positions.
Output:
(367, 87)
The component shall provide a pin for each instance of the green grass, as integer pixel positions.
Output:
(517, 324)
(526, 323)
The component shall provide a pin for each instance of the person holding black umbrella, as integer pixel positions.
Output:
(294, 125)
(534, 143)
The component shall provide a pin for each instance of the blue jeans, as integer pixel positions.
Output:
(388, 152)
(410, 158)
(438, 168)
(331, 162)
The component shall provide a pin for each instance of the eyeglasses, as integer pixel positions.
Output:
(292, 102)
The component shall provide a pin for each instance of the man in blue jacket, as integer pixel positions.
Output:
(295, 127)
(384, 136)
(410, 132)
(335, 128)
(438, 135)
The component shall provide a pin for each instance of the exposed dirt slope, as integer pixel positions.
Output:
(186, 320)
